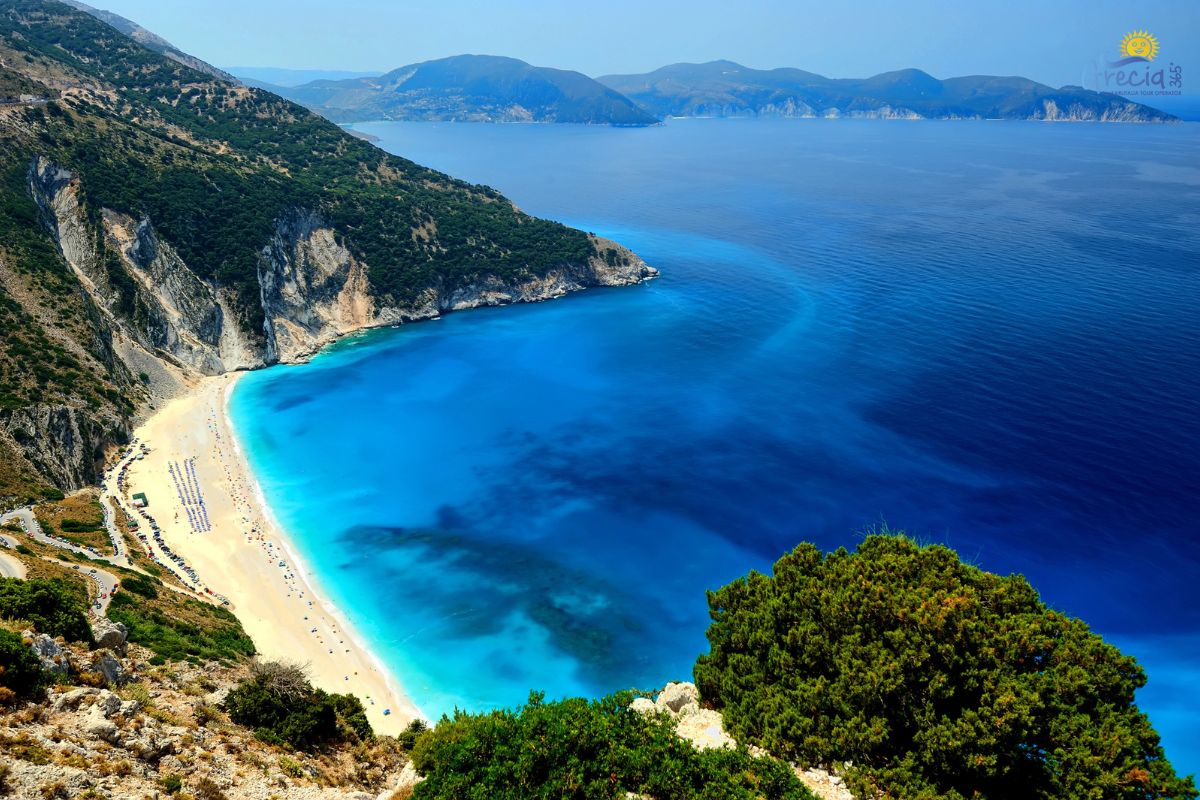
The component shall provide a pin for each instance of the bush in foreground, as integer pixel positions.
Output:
(49, 605)
(282, 707)
(585, 749)
(21, 673)
(938, 680)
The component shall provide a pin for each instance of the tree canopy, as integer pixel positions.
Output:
(935, 678)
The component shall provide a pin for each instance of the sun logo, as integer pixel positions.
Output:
(1139, 44)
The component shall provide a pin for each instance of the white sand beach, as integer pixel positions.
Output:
(282, 608)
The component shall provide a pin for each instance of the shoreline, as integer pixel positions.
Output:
(284, 610)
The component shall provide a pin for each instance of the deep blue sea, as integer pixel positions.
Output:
(984, 334)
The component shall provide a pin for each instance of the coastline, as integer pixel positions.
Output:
(283, 609)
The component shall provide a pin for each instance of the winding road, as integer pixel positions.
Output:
(10, 565)
(106, 582)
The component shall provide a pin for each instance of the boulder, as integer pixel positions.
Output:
(69, 701)
(678, 697)
(109, 667)
(96, 726)
(705, 729)
(110, 635)
(643, 705)
(54, 659)
(108, 703)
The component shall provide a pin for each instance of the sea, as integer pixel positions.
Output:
(984, 334)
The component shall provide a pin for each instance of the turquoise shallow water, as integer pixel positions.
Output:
(984, 334)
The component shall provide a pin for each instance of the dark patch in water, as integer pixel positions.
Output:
(484, 584)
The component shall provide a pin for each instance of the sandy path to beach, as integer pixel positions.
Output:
(281, 608)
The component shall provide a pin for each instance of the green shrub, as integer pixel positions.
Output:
(171, 784)
(79, 526)
(283, 708)
(20, 669)
(178, 628)
(937, 679)
(139, 585)
(409, 736)
(585, 749)
(51, 606)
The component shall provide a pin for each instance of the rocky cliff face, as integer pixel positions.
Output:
(1051, 111)
(61, 442)
(172, 313)
(314, 290)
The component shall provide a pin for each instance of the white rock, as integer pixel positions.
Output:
(643, 705)
(676, 697)
(109, 635)
(69, 701)
(705, 729)
(96, 726)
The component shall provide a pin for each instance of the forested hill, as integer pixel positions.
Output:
(158, 222)
(728, 89)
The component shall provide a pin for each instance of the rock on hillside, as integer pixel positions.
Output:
(165, 724)
(705, 729)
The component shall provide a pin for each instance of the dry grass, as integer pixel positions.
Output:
(81, 509)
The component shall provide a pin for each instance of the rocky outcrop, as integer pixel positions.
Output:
(681, 702)
(705, 729)
(109, 635)
(60, 441)
(54, 658)
(121, 744)
(313, 290)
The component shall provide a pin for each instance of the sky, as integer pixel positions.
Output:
(1051, 41)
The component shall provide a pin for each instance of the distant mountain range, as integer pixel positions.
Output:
(274, 78)
(495, 89)
(728, 89)
(471, 88)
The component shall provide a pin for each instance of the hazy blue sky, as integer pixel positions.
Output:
(1047, 40)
